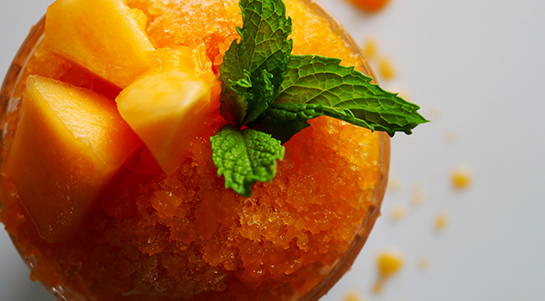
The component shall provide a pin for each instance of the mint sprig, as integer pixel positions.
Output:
(267, 89)
(252, 70)
(244, 157)
(317, 85)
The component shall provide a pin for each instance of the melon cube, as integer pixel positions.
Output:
(170, 104)
(103, 36)
(166, 109)
(68, 146)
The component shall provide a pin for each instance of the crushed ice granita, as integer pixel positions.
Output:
(153, 236)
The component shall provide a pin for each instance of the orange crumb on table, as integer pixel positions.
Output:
(386, 69)
(461, 177)
(423, 263)
(433, 114)
(393, 184)
(441, 221)
(371, 5)
(398, 212)
(370, 49)
(389, 262)
(418, 195)
(353, 296)
(451, 137)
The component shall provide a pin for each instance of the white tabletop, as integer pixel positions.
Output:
(476, 67)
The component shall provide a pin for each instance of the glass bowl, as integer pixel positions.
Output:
(11, 93)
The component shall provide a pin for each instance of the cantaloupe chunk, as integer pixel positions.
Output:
(68, 145)
(102, 36)
(168, 106)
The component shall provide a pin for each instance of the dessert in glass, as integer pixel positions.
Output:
(100, 211)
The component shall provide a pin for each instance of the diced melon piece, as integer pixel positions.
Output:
(102, 36)
(166, 109)
(168, 106)
(68, 145)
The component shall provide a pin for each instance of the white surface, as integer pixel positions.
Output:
(476, 66)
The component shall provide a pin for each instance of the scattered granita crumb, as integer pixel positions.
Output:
(386, 69)
(441, 221)
(371, 6)
(393, 184)
(423, 263)
(433, 113)
(353, 296)
(370, 48)
(451, 137)
(461, 177)
(398, 212)
(418, 195)
(389, 262)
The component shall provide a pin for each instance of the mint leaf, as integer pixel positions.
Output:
(313, 79)
(260, 58)
(257, 100)
(285, 120)
(244, 157)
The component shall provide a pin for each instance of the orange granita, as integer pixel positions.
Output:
(154, 236)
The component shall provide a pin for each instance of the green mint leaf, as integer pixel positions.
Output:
(244, 157)
(238, 94)
(260, 58)
(261, 97)
(285, 120)
(313, 79)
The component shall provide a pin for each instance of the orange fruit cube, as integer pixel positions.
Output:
(103, 36)
(169, 106)
(69, 144)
